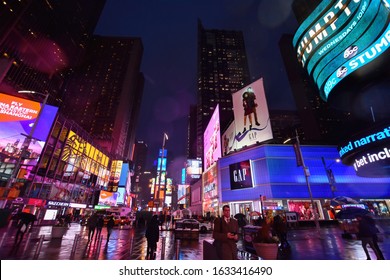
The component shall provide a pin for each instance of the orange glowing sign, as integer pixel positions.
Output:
(17, 109)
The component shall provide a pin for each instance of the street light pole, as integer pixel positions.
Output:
(25, 145)
(329, 174)
(307, 174)
(160, 169)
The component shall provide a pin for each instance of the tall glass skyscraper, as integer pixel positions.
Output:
(222, 70)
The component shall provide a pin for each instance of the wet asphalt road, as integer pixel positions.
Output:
(130, 244)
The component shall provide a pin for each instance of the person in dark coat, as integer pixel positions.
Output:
(110, 227)
(152, 235)
(367, 231)
(99, 226)
(280, 230)
(92, 222)
(25, 219)
(226, 234)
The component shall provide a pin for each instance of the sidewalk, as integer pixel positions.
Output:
(130, 244)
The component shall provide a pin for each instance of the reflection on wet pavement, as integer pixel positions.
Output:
(130, 244)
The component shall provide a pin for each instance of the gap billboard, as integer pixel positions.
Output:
(340, 37)
(251, 118)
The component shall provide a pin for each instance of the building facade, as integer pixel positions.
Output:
(272, 183)
(222, 70)
(104, 93)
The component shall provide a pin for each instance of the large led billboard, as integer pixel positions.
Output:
(108, 198)
(17, 118)
(193, 169)
(210, 189)
(182, 194)
(251, 117)
(338, 38)
(212, 140)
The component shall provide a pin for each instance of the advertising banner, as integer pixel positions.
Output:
(17, 117)
(210, 187)
(108, 198)
(240, 175)
(251, 115)
(229, 140)
(193, 169)
(121, 196)
(336, 40)
(116, 168)
(212, 140)
(182, 194)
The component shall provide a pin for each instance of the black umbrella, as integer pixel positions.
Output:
(351, 213)
(342, 200)
(239, 216)
(26, 218)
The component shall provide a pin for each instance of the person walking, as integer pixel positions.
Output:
(91, 224)
(225, 233)
(99, 226)
(279, 228)
(366, 233)
(152, 235)
(25, 219)
(110, 227)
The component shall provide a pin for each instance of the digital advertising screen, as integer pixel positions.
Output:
(338, 39)
(181, 194)
(212, 140)
(115, 173)
(162, 166)
(17, 118)
(194, 168)
(251, 117)
(108, 198)
(121, 196)
(124, 174)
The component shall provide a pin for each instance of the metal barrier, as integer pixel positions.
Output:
(39, 247)
(177, 249)
(163, 248)
(74, 247)
(27, 243)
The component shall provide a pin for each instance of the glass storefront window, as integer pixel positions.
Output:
(304, 209)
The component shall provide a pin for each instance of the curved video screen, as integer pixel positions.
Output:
(340, 37)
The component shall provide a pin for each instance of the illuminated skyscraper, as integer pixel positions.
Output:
(40, 42)
(104, 93)
(222, 70)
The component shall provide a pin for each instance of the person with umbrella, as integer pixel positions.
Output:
(24, 220)
(367, 232)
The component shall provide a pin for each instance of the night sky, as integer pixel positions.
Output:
(168, 29)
